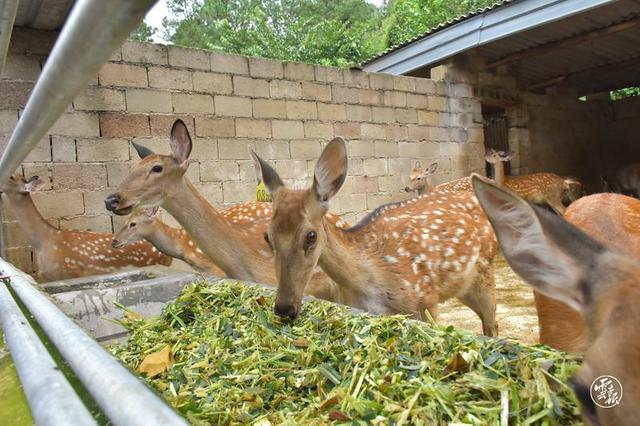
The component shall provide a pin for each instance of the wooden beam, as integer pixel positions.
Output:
(584, 73)
(570, 41)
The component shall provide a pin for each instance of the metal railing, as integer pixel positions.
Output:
(123, 398)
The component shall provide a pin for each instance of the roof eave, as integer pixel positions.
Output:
(476, 31)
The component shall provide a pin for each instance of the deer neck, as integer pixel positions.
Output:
(215, 236)
(355, 270)
(38, 230)
(166, 239)
(498, 172)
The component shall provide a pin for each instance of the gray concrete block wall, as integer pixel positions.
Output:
(285, 111)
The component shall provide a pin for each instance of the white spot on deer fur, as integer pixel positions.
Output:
(67, 260)
(434, 226)
(459, 231)
(414, 267)
(199, 251)
(449, 252)
(406, 283)
(391, 259)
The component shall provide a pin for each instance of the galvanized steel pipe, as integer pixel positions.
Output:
(8, 11)
(121, 396)
(51, 398)
(94, 29)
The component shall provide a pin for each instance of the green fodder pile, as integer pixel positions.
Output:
(234, 361)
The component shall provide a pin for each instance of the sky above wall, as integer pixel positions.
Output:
(160, 10)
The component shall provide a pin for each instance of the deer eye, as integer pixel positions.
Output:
(418, 178)
(156, 169)
(266, 239)
(132, 225)
(310, 239)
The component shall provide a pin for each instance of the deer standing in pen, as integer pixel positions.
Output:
(72, 254)
(601, 284)
(420, 179)
(537, 188)
(402, 258)
(143, 224)
(232, 239)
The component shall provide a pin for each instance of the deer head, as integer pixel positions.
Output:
(138, 224)
(18, 185)
(420, 179)
(296, 233)
(153, 178)
(494, 156)
(561, 261)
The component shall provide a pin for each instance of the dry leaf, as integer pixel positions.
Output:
(329, 402)
(301, 343)
(157, 362)
(338, 415)
(457, 363)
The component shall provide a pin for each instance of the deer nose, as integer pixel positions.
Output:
(407, 189)
(115, 243)
(285, 311)
(111, 202)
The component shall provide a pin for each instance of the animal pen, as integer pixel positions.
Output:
(446, 96)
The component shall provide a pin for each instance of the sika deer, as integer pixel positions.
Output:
(614, 221)
(402, 258)
(420, 179)
(143, 224)
(537, 188)
(561, 261)
(233, 239)
(72, 254)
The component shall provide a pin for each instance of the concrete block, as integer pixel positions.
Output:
(298, 71)
(347, 130)
(192, 103)
(139, 100)
(122, 75)
(285, 89)
(302, 110)
(315, 91)
(332, 112)
(329, 75)
(306, 149)
(207, 82)
(100, 99)
(251, 87)
(63, 149)
(266, 68)
(229, 64)
(219, 171)
(76, 124)
(104, 149)
(287, 129)
(269, 108)
(215, 127)
(358, 113)
(253, 128)
(145, 53)
(168, 78)
(370, 97)
(188, 58)
(320, 130)
(396, 99)
(232, 106)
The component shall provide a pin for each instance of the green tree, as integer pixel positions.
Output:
(327, 32)
(407, 19)
(144, 32)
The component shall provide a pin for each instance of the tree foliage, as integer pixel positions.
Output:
(625, 93)
(327, 32)
(144, 32)
(408, 18)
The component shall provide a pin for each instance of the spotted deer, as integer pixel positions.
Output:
(537, 188)
(562, 262)
(402, 258)
(64, 254)
(233, 239)
(420, 179)
(143, 224)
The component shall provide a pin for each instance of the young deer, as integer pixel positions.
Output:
(420, 179)
(537, 188)
(72, 254)
(564, 263)
(143, 224)
(233, 239)
(572, 189)
(402, 258)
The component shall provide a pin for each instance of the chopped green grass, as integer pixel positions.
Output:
(234, 361)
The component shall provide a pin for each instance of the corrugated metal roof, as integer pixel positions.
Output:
(439, 27)
(43, 14)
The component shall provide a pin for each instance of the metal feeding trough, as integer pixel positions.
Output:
(37, 324)
(90, 300)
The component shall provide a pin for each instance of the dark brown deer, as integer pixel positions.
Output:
(603, 285)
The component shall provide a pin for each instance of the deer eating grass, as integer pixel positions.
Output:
(537, 188)
(402, 258)
(71, 254)
(420, 179)
(233, 239)
(143, 224)
(564, 263)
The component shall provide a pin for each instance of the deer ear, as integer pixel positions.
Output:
(180, 142)
(549, 253)
(331, 170)
(151, 211)
(266, 173)
(142, 150)
(34, 184)
(432, 168)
